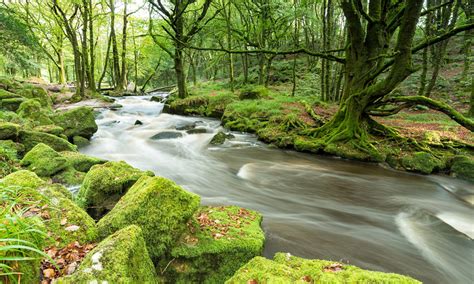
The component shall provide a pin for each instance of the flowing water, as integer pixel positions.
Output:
(313, 206)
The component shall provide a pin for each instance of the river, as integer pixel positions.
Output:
(313, 206)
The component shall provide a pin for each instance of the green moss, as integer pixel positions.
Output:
(23, 178)
(44, 161)
(80, 141)
(8, 130)
(120, 258)
(219, 240)
(159, 206)
(422, 162)
(68, 222)
(32, 138)
(81, 162)
(69, 176)
(77, 122)
(33, 111)
(4, 94)
(104, 185)
(8, 157)
(463, 167)
(253, 92)
(290, 269)
(51, 129)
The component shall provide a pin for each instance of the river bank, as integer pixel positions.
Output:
(132, 204)
(432, 143)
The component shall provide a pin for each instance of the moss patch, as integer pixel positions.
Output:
(77, 122)
(120, 258)
(33, 111)
(463, 167)
(8, 130)
(81, 162)
(32, 138)
(159, 206)
(422, 162)
(290, 269)
(219, 240)
(23, 178)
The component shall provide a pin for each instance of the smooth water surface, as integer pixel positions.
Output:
(313, 206)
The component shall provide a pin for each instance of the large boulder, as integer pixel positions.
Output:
(8, 130)
(77, 122)
(159, 206)
(218, 241)
(81, 162)
(35, 92)
(34, 112)
(31, 138)
(44, 161)
(11, 104)
(286, 268)
(120, 258)
(104, 185)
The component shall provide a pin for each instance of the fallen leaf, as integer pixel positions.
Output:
(63, 221)
(49, 273)
(252, 281)
(72, 228)
(335, 267)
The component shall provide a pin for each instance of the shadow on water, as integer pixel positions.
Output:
(314, 207)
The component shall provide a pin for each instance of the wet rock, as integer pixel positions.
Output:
(220, 138)
(77, 122)
(138, 122)
(157, 205)
(157, 99)
(166, 135)
(185, 125)
(120, 258)
(197, 131)
(104, 185)
(115, 107)
(44, 161)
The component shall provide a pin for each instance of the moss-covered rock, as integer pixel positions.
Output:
(422, 162)
(35, 92)
(120, 258)
(290, 269)
(159, 206)
(69, 177)
(32, 138)
(253, 92)
(80, 141)
(219, 240)
(4, 94)
(81, 162)
(23, 178)
(463, 167)
(220, 138)
(51, 129)
(8, 130)
(44, 161)
(105, 184)
(34, 112)
(77, 122)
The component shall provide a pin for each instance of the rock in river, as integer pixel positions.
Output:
(166, 135)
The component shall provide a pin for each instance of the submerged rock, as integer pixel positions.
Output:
(220, 138)
(285, 268)
(185, 125)
(120, 258)
(218, 241)
(32, 138)
(77, 122)
(138, 122)
(157, 205)
(166, 135)
(197, 131)
(104, 185)
(44, 161)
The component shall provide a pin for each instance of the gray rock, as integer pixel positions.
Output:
(166, 135)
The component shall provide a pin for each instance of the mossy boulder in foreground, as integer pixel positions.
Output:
(81, 162)
(77, 122)
(23, 178)
(290, 269)
(44, 161)
(422, 162)
(159, 206)
(120, 258)
(218, 241)
(8, 130)
(104, 184)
